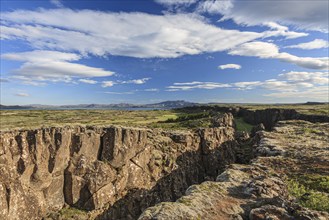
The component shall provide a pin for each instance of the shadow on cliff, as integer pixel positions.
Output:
(193, 168)
(269, 117)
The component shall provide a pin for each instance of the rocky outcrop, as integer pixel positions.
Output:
(115, 171)
(259, 190)
(225, 120)
(238, 189)
(268, 117)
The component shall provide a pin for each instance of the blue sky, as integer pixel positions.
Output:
(231, 51)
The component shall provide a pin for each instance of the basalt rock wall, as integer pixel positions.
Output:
(268, 117)
(118, 170)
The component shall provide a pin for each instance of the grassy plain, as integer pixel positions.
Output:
(36, 118)
(321, 109)
(167, 119)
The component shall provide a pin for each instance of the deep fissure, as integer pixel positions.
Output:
(118, 171)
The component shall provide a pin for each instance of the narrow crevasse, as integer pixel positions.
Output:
(112, 172)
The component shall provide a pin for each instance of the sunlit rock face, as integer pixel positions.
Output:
(260, 189)
(106, 169)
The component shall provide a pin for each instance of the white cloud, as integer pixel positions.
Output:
(301, 83)
(196, 85)
(316, 93)
(280, 30)
(22, 94)
(128, 34)
(246, 85)
(107, 84)
(120, 93)
(257, 49)
(135, 81)
(319, 63)
(274, 84)
(51, 66)
(320, 78)
(269, 50)
(168, 3)
(229, 66)
(315, 44)
(57, 3)
(88, 81)
(151, 90)
(41, 56)
(306, 85)
(132, 81)
(214, 6)
(307, 14)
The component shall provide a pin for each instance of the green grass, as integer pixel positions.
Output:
(10, 119)
(168, 119)
(187, 120)
(314, 182)
(304, 109)
(68, 213)
(307, 194)
(241, 125)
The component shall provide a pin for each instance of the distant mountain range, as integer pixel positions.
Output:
(160, 105)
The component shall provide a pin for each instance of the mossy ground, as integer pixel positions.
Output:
(241, 125)
(305, 161)
(310, 192)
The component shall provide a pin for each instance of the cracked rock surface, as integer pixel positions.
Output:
(258, 190)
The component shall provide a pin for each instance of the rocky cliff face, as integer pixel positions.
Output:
(268, 117)
(117, 172)
(259, 190)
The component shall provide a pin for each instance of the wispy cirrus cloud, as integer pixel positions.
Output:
(152, 90)
(313, 93)
(22, 94)
(135, 81)
(280, 30)
(214, 6)
(120, 93)
(320, 78)
(196, 85)
(57, 3)
(251, 13)
(88, 81)
(132, 81)
(169, 3)
(287, 12)
(315, 44)
(287, 84)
